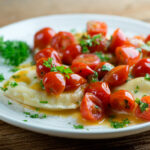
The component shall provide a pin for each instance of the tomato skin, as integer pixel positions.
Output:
(127, 55)
(122, 100)
(99, 70)
(54, 83)
(141, 68)
(117, 75)
(70, 53)
(118, 39)
(41, 69)
(145, 114)
(43, 37)
(74, 81)
(96, 27)
(62, 40)
(89, 59)
(101, 90)
(91, 108)
(47, 53)
(82, 69)
(147, 38)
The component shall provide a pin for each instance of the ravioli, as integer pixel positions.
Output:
(138, 87)
(29, 92)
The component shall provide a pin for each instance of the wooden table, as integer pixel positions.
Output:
(14, 10)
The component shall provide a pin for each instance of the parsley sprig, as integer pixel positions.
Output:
(103, 57)
(141, 104)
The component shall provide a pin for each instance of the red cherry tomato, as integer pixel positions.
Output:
(43, 38)
(74, 81)
(47, 53)
(81, 69)
(70, 53)
(101, 90)
(117, 75)
(102, 46)
(147, 38)
(145, 114)
(96, 27)
(90, 59)
(118, 39)
(62, 40)
(102, 68)
(40, 68)
(54, 83)
(91, 108)
(127, 55)
(141, 68)
(122, 100)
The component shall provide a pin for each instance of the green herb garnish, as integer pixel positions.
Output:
(107, 67)
(147, 76)
(44, 102)
(14, 52)
(3, 89)
(94, 77)
(2, 77)
(25, 120)
(13, 84)
(15, 76)
(40, 116)
(102, 56)
(141, 104)
(14, 69)
(78, 126)
(137, 89)
(42, 85)
(9, 103)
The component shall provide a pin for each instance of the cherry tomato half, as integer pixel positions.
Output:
(101, 90)
(74, 81)
(81, 69)
(43, 38)
(127, 55)
(141, 68)
(122, 100)
(102, 68)
(96, 27)
(70, 53)
(47, 53)
(62, 40)
(54, 83)
(89, 59)
(41, 69)
(145, 114)
(118, 39)
(117, 75)
(91, 108)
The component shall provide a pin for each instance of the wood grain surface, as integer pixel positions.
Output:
(13, 138)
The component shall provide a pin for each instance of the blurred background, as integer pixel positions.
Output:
(16, 10)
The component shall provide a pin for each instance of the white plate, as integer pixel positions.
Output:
(57, 126)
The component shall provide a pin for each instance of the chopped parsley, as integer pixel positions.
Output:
(96, 106)
(141, 104)
(37, 109)
(9, 103)
(35, 77)
(73, 31)
(42, 85)
(79, 126)
(13, 84)
(14, 52)
(15, 76)
(107, 67)
(147, 76)
(94, 77)
(2, 77)
(88, 41)
(3, 89)
(103, 57)
(44, 102)
(136, 89)
(40, 116)
(25, 120)
(119, 124)
(14, 69)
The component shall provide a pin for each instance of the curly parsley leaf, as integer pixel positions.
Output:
(141, 104)
(14, 52)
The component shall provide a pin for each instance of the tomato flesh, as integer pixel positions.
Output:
(122, 100)
(118, 39)
(43, 38)
(96, 27)
(54, 83)
(127, 55)
(145, 114)
(91, 108)
(47, 53)
(117, 75)
(89, 59)
(82, 69)
(141, 68)
(70, 53)
(74, 81)
(101, 90)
